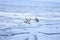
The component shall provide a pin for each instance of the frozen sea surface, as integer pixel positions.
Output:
(12, 17)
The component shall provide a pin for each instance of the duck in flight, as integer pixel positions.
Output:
(28, 21)
(36, 19)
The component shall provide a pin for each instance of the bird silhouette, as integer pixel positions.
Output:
(27, 21)
(36, 19)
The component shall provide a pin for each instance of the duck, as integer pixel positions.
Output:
(36, 19)
(27, 21)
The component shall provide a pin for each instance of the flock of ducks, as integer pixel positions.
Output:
(28, 20)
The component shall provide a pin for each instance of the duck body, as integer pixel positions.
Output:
(36, 19)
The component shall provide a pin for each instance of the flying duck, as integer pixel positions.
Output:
(36, 19)
(27, 21)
